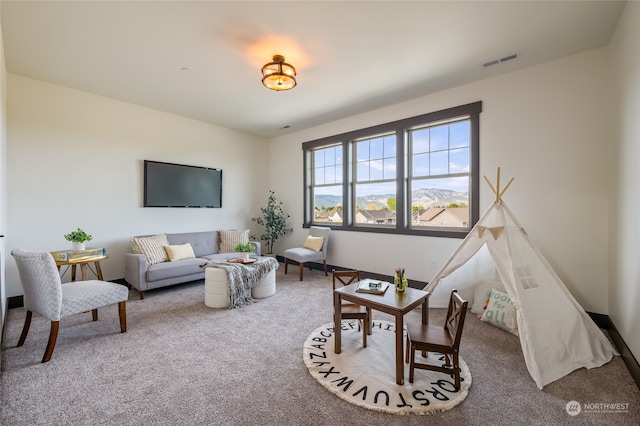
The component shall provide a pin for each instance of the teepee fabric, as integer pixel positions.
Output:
(556, 334)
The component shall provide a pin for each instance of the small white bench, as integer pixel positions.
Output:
(216, 287)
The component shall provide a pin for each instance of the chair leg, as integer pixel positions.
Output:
(408, 344)
(122, 310)
(412, 363)
(325, 268)
(456, 370)
(25, 328)
(301, 270)
(364, 335)
(141, 295)
(286, 263)
(53, 336)
(94, 314)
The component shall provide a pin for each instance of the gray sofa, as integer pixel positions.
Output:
(142, 276)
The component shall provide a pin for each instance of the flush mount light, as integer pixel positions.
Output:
(278, 75)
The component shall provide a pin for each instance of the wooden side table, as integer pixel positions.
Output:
(84, 267)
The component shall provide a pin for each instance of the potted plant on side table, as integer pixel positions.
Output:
(78, 238)
(274, 221)
(246, 249)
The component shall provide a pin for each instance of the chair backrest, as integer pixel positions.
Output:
(321, 231)
(342, 278)
(455, 317)
(41, 283)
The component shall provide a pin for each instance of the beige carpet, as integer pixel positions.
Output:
(181, 363)
(366, 376)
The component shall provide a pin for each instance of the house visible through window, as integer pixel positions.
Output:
(327, 183)
(375, 180)
(414, 176)
(440, 171)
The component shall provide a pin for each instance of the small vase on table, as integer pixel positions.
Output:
(76, 246)
(399, 280)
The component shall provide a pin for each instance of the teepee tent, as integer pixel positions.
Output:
(556, 334)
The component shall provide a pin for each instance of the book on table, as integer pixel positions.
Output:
(372, 286)
(71, 255)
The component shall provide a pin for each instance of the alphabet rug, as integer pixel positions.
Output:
(366, 377)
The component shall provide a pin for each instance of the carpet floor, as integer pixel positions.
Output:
(181, 363)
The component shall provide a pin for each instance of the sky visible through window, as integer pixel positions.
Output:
(439, 150)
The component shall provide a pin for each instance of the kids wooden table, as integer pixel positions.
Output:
(392, 302)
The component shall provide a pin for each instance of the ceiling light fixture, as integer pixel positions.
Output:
(278, 75)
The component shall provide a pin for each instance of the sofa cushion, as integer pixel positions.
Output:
(152, 247)
(179, 268)
(203, 243)
(229, 239)
(179, 252)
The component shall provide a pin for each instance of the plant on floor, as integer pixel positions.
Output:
(78, 236)
(274, 221)
(245, 248)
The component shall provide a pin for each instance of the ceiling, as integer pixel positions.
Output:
(202, 59)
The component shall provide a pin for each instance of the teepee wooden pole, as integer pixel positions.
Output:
(490, 184)
(505, 189)
(496, 189)
(498, 186)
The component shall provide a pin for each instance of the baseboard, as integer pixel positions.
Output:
(15, 302)
(604, 322)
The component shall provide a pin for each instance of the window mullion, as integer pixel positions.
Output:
(401, 178)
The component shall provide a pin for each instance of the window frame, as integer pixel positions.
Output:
(403, 215)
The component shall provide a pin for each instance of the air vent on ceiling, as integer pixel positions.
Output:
(499, 61)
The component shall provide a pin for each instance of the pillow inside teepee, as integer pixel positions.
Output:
(500, 312)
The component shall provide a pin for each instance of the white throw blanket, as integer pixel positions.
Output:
(243, 277)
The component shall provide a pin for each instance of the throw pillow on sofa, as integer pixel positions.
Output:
(152, 247)
(179, 252)
(229, 239)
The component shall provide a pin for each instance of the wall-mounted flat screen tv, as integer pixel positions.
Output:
(178, 185)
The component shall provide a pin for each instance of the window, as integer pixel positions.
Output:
(375, 180)
(414, 176)
(440, 159)
(327, 182)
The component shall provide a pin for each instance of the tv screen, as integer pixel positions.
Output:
(178, 185)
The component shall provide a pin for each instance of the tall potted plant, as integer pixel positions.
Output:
(274, 221)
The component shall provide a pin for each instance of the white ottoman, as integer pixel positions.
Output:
(216, 287)
(266, 287)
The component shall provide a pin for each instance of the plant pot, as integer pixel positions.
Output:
(245, 255)
(77, 246)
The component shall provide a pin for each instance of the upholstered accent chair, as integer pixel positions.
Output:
(440, 339)
(314, 249)
(45, 294)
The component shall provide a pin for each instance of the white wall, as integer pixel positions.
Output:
(76, 160)
(548, 126)
(3, 182)
(624, 291)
